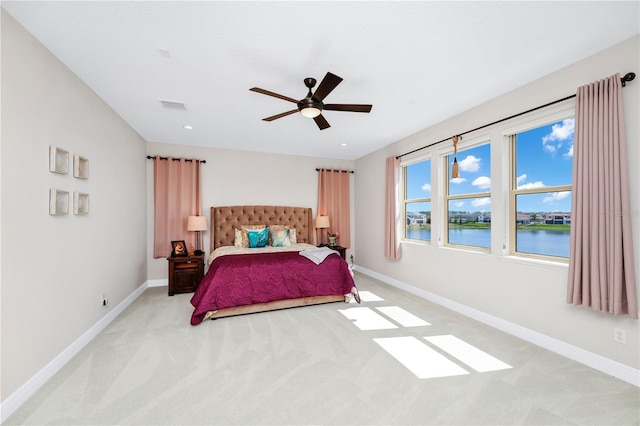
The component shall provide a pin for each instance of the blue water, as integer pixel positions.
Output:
(471, 237)
(419, 234)
(551, 243)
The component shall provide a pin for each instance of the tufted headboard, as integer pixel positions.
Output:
(225, 219)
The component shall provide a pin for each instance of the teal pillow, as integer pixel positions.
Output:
(258, 238)
(280, 237)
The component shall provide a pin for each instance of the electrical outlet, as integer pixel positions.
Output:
(351, 258)
(103, 300)
(620, 335)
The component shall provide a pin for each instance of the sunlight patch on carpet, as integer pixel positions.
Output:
(434, 357)
(367, 319)
(367, 296)
(468, 354)
(420, 359)
(402, 317)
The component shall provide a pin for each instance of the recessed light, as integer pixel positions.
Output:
(343, 144)
(186, 126)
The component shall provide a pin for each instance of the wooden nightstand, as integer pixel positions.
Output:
(185, 273)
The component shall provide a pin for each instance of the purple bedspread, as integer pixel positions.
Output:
(245, 279)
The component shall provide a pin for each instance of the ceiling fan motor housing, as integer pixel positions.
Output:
(309, 103)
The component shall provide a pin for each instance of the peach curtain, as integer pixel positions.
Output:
(333, 201)
(176, 184)
(601, 260)
(392, 219)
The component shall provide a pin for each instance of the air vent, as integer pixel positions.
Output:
(178, 106)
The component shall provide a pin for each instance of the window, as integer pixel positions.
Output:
(468, 198)
(541, 190)
(417, 201)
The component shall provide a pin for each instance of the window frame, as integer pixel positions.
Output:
(550, 116)
(463, 145)
(503, 180)
(405, 200)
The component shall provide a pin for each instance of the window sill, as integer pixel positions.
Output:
(535, 261)
(419, 243)
(467, 249)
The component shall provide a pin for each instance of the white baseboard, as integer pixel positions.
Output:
(24, 392)
(600, 363)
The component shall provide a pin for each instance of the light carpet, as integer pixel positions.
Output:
(332, 364)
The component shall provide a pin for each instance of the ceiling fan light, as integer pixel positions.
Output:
(310, 112)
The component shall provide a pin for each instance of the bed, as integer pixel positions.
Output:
(242, 280)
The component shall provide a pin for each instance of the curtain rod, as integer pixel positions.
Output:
(332, 170)
(177, 159)
(627, 77)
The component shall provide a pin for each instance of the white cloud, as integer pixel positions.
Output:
(559, 133)
(458, 180)
(481, 202)
(426, 187)
(569, 153)
(470, 164)
(556, 196)
(521, 178)
(532, 185)
(482, 182)
(458, 204)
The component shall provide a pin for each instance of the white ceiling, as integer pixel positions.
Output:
(416, 62)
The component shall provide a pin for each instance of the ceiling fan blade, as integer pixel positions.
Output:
(283, 114)
(321, 122)
(328, 83)
(348, 107)
(275, 95)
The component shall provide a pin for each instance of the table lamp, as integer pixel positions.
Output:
(322, 223)
(197, 224)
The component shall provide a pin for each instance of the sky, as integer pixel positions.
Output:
(544, 157)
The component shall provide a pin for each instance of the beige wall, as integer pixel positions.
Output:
(242, 178)
(525, 293)
(55, 269)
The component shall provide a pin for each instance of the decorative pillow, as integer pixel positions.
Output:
(243, 233)
(293, 236)
(258, 238)
(280, 237)
(273, 228)
(238, 238)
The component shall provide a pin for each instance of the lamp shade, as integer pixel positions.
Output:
(197, 223)
(322, 222)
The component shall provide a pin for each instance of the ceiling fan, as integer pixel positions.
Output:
(311, 106)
